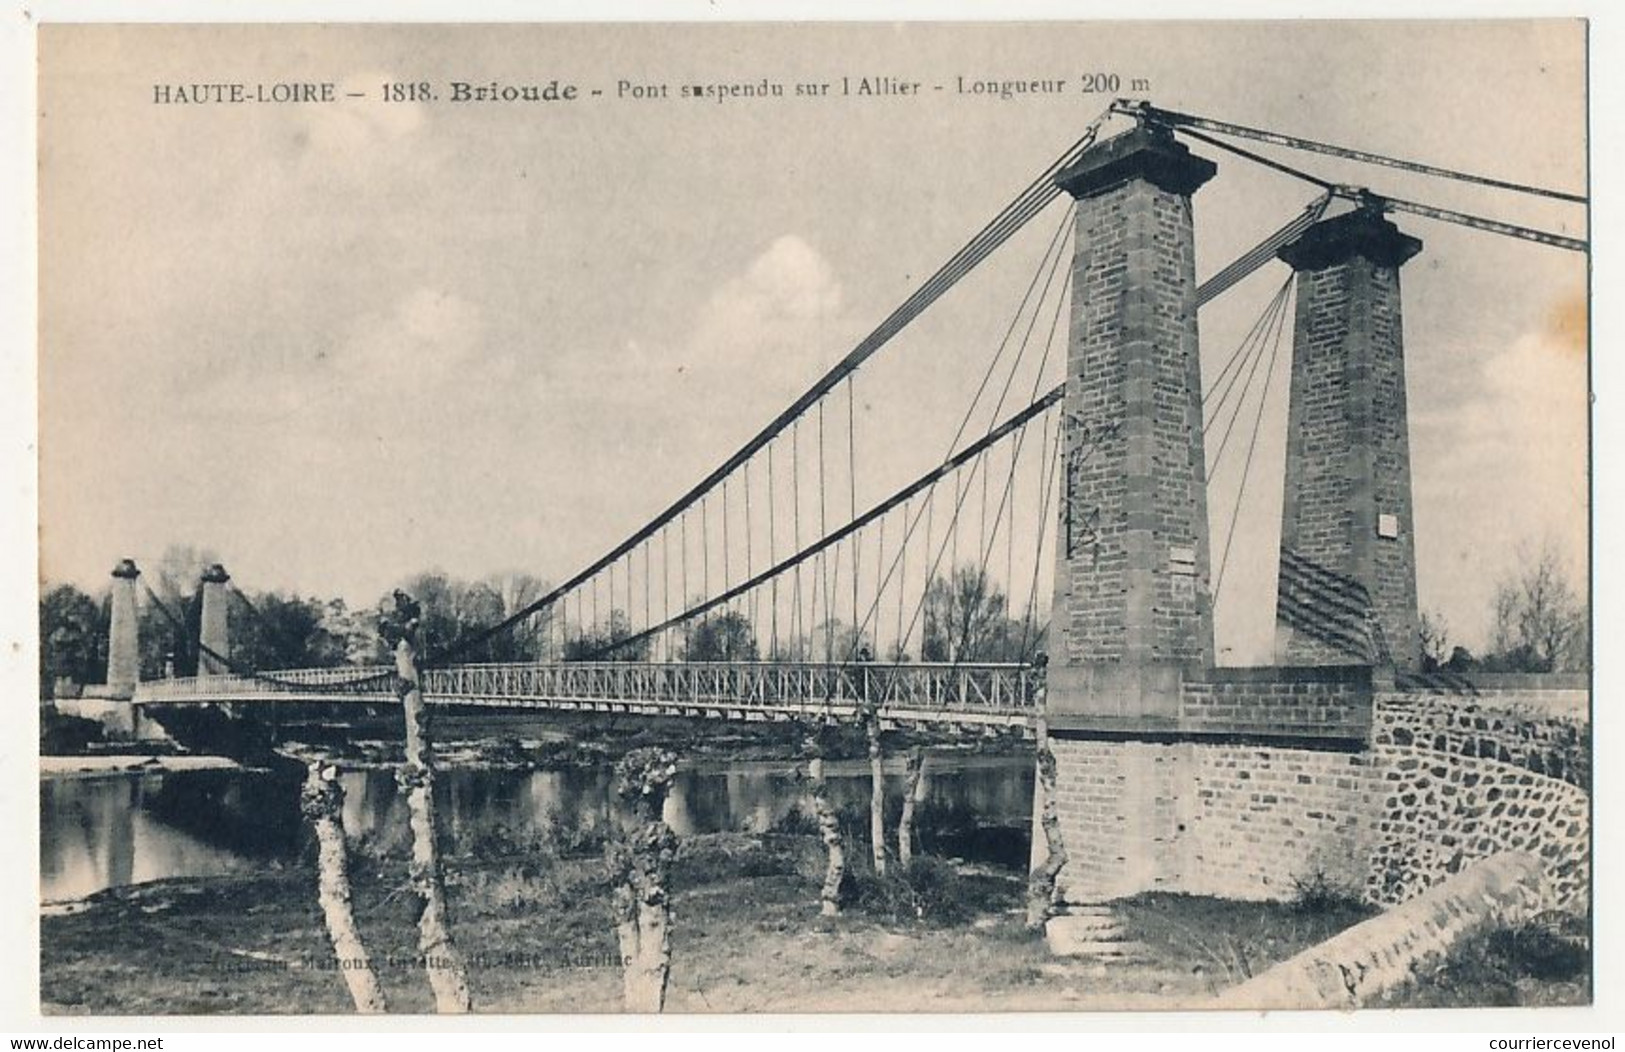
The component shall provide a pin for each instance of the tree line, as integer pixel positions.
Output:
(1541, 624)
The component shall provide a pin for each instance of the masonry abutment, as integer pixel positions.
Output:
(123, 632)
(213, 631)
(1347, 583)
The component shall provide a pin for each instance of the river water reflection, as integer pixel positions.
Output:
(106, 831)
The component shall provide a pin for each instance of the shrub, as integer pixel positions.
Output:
(1318, 894)
(1543, 951)
(930, 891)
(794, 822)
(62, 735)
(1535, 963)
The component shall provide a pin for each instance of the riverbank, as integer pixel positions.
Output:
(101, 765)
(510, 741)
(557, 740)
(745, 938)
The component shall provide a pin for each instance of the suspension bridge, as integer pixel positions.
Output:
(1066, 515)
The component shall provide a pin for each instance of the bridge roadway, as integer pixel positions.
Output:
(992, 695)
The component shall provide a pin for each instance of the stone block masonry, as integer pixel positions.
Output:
(1437, 813)
(1131, 583)
(213, 632)
(1330, 704)
(1176, 776)
(1511, 726)
(1347, 588)
(124, 633)
(1380, 794)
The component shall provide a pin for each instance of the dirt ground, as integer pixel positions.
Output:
(746, 938)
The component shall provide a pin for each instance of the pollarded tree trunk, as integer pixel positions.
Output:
(640, 872)
(322, 802)
(829, 828)
(1041, 885)
(877, 790)
(448, 976)
(912, 790)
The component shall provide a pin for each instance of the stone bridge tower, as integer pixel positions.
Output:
(1172, 774)
(1132, 605)
(124, 633)
(1347, 587)
(213, 630)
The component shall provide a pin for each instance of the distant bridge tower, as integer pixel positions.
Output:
(1347, 587)
(124, 633)
(213, 632)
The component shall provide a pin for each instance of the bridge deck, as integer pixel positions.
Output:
(986, 694)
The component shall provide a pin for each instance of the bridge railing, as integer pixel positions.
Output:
(340, 680)
(979, 688)
(993, 688)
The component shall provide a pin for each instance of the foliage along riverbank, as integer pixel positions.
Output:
(548, 741)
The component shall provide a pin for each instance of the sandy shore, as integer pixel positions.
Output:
(91, 766)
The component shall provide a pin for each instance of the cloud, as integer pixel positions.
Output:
(782, 311)
(781, 306)
(789, 282)
(420, 356)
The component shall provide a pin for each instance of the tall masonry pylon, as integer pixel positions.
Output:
(1132, 600)
(213, 630)
(1347, 585)
(124, 632)
(1132, 610)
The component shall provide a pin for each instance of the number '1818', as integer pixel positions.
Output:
(418, 92)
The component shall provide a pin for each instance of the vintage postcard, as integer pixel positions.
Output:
(813, 517)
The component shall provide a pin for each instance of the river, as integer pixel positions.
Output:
(100, 832)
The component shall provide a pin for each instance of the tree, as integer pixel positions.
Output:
(274, 631)
(73, 638)
(169, 630)
(356, 631)
(457, 612)
(1434, 635)
(1041, 882)
(1461, 660)
(640, 864)
(1541, 622)
(835, 642)
(829, 825)
(728, 637)
(596, 643)
(322, 801)
(532, 638)
(965, 619)
(399, 623)
(172, 611)
(790, 649)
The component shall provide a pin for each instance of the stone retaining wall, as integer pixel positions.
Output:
(1440, 780)
(1439, 813)
(1515, 727)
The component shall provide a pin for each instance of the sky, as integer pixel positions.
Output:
(339, 344)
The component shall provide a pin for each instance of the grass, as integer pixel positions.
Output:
(1222, 942)
(746, 937)
(1540, 963)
